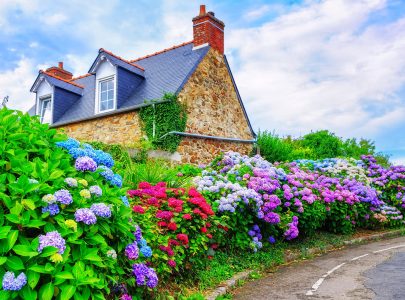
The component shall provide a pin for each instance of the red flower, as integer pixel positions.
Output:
(214, 246)
(163, 248)
(138, 209)
(203, 229)
(173, 243)
(209, 235)
(183, 238)
(171, 263)
(197, 211)
(178, 209)
(194, 193)
(153, 201)
(203, 216)
(173, 202)
(187, 217)
(134, 193)
(210, 257)
(208, 224)
(144, 185)
(164, 214)
(170, 251)
(172, 226)
(161, 224)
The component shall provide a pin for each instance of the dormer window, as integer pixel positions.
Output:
(46, 109)
(106, 94)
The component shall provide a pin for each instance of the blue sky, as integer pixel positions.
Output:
(299, 65)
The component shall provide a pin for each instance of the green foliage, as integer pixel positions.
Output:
(315, 145)
(31, 166)
(161, 118)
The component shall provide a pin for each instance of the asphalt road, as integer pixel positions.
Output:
(372, 271)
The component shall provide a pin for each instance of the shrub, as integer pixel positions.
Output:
(178, 223)
(64, 228)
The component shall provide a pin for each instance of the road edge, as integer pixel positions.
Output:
(227, 285)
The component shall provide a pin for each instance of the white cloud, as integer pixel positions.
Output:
(322, 66)
(55, 19)
(16, 84)
(256, 13)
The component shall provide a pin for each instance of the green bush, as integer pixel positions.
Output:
(41, 193)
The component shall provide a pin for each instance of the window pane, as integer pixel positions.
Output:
(106, 93)
(46, 114)
(110, 95)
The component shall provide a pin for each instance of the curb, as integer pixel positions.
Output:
(227, 285)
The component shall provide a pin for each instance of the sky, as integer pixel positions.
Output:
(299, 65)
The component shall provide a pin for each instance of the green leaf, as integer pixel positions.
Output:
(28, 293)
(4, 231)
(15, 263)
(67, 292)
(46, 291)
(33, 278)
(48, 251)
(29, 204)
(3, 260)
(13, 218)
(11, 239)
(78, 270)
(24, 250)
(5, 295)
(35, 223)
(64, 275)
(55, 174)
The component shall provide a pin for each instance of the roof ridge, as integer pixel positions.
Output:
(60, 78)
(81, 76)
(120, 58)
(161, 51)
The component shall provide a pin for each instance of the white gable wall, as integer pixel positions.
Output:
(103, 71)
(44, 90)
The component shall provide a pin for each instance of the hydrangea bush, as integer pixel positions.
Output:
(283, 201)
(177, 222)
(64, 224)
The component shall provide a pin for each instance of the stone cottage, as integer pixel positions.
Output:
(103, 105)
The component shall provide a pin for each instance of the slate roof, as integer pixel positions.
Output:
(164, 72)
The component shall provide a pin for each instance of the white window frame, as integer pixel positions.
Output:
(41, 101)
(98, 94)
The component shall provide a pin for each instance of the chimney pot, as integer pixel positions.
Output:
(202, 10)
(60, 65)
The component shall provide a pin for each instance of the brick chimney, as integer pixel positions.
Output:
(60, 72)
(208, 29)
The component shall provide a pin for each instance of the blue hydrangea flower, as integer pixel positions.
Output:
(68, 144)
(54, 239)
(117, 180)
(11, 283)
(103, 158)
(107, 173)
(146, 251)
(125, 200)
(53, 209)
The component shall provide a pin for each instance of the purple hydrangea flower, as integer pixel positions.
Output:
(11, 283)
(101, 210)
(53, 209)
(54, 239)
(272, 240)
(96, 190)
(145, 275)
(126, 297)
(85, 163)
(64, 197)
(132, 251)
(71, 182)
(138, 233)
(86, 216)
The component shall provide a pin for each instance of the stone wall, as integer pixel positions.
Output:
(213, 109)
(124, 129)
(197, 151)
(212, 104)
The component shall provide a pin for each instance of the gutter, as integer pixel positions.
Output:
(202, 136)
